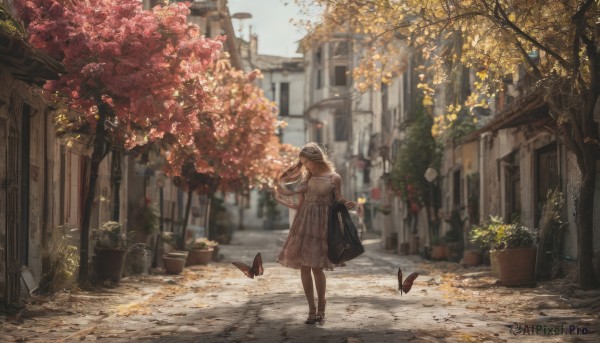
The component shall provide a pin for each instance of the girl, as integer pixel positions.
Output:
(306, 244)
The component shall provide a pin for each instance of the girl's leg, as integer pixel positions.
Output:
(321, 284)
(307, 284)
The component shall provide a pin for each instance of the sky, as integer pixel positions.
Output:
(271, 22)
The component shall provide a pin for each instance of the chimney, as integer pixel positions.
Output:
(253, 43)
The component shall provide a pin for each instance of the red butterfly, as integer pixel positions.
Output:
(255, 270)
(407, 284)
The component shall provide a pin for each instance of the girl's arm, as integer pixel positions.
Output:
(289, 202)
(337, 181)
(283, 191)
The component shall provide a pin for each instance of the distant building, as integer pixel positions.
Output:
(283, 83)
(347, 123)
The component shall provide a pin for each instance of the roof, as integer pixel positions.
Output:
(269, 62)
(531, 108)
(22, 61)
(201, 7)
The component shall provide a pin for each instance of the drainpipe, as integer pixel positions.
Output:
(482, 187)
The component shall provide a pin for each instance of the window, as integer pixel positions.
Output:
(456, 191)
(339, 49)
(273, 91)
(339, 76)
(318, 69)
(341, 126)
(512, 188)
(319, 84)
(318, 134)
(386, 122)
(284, 99)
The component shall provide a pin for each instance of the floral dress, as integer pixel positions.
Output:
(306, 244)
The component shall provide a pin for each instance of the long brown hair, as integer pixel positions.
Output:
(312, 152)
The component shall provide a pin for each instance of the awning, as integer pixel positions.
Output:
(24, 62)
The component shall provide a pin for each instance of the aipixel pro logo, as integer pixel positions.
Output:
(547, 330)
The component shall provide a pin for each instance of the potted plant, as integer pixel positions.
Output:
(438, 248)
(485, 236)
(110, 249)
(174, 262)
(200, 251)
(146, 219)
(454, 245)
(516, 254)
(169, 241)
(473, 253)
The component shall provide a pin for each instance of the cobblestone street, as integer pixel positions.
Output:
(217, 303)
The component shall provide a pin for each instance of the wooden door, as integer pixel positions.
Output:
(547, 177)
(12, 186)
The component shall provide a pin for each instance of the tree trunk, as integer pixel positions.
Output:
(98, 155)
(186, 218)
(117, 177)
(161, 227)
(585, 226)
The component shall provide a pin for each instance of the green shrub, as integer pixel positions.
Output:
(514, 236)
(495, 234)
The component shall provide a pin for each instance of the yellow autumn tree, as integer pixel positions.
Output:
(555, 41)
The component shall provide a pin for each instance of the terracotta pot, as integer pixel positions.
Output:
(494, 263)
(438, 252)
(178, 254)
(472, 258)
(173, 265)
(198, 256)
(516, 266)
(109, 264)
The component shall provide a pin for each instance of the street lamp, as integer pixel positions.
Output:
(241, 16)
(431, 175)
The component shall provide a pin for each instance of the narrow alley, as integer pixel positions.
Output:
(217, 303)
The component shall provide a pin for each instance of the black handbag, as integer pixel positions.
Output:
(343, 242)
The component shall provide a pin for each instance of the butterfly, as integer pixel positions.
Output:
(255, 270)
(407, 284)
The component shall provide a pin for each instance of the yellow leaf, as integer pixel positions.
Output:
(482, 74)
(427, 101)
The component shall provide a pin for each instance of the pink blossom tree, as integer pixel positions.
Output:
(236, 146)
(127, 71)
